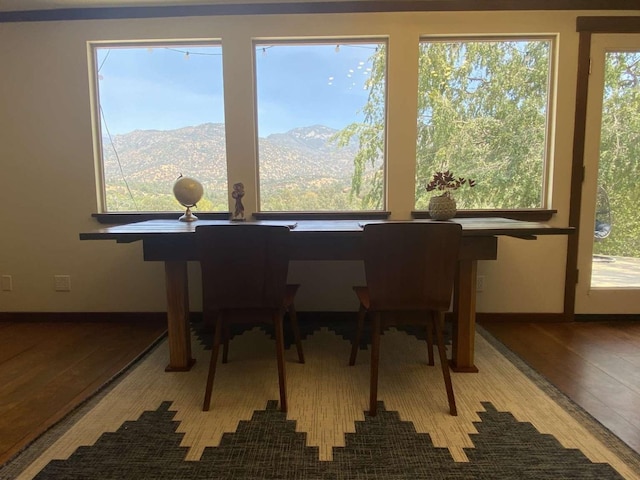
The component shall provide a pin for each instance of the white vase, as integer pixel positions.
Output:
(442, 207)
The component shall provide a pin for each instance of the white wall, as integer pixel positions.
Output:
(48, 178)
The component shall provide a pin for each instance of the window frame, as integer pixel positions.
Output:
(544, 211)
(103, 215)
(328, 41)
(538, 214)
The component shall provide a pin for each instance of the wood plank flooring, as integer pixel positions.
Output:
(596, 364)
(46, 369)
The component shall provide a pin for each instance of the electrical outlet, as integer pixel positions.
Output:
(7, 283)
(62, 283)
(480, 283)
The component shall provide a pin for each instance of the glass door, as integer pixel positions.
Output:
(609, 243)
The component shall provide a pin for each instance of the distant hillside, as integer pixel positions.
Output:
(158, 157)
(301, 169)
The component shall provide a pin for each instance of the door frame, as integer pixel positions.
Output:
(586, 27)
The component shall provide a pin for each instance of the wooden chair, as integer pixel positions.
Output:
(244, 275)
(410, 270)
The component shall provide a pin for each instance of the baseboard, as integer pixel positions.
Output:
(521, 317)
(140, 316)
(554, 317)
(315, 316)
(83, 317)
(593, 317)
(303, 316)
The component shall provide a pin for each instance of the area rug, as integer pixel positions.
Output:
(148, 424)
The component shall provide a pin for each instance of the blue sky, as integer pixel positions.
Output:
(298, 85)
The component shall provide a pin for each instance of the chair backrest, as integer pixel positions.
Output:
(411, 266)
(243, 266)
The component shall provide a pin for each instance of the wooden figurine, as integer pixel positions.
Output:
(237, 194)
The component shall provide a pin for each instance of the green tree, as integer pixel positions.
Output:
(482, 113)
(367, 182)
(619, 166)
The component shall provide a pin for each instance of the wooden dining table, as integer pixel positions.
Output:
(173, 242)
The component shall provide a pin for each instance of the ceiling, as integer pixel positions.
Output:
(20, 5)
(16, 6)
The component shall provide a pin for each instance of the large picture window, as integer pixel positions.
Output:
(161, 115)
(321, 125)
(483, 109)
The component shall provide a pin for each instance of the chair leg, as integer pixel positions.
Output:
(296, 332)
(375, 360)
(215, 349)
(225, 346)
(438, 321)
(277, 323)
(355, 346)
(430, 359)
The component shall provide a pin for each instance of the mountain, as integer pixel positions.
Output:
(153, 159)
(159, 157)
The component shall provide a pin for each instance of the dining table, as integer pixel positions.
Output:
(173, 242)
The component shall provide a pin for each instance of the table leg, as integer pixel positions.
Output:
(464, 322)
(180, 359)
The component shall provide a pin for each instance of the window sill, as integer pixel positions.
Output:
(365, 215)
(532, 215)
(131, 217)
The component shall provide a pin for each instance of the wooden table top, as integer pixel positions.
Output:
(470, 227)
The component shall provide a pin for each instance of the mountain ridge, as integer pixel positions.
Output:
(160, 156)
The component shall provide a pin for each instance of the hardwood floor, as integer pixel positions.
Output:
(596, 364)
(48, 368)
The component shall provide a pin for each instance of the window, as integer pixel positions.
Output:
(482, 113)
(617, 221)
(161, 114)
(321, 125)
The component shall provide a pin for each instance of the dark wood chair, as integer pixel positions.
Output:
(410, 271)
(244, 279)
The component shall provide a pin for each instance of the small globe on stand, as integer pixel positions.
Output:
(188, 191)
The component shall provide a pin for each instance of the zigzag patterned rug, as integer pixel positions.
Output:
(148, 424)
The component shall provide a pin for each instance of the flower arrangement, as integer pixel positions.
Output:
(446, 183)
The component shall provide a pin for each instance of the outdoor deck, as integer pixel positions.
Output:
(615, 272)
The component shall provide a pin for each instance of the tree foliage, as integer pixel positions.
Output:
(619, 165)
(482, 108)
(482, 113)
(367, 182)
